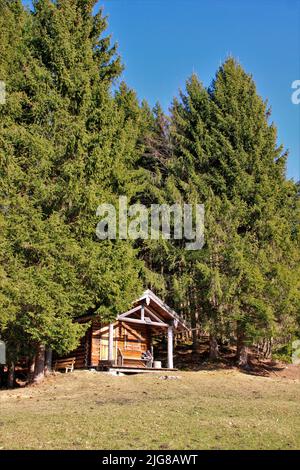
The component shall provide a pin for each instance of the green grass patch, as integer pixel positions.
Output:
(199, 410)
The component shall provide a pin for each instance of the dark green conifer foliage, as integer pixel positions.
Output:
(64, 149)
(225, 155)
(67, 144)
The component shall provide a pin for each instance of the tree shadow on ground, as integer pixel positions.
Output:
(185, 358)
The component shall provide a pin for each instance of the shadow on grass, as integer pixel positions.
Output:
(189, 360)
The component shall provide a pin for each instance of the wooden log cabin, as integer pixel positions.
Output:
(120, 345)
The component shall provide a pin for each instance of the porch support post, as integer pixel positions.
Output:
(110, 342)
(170, 347)
(143, 312)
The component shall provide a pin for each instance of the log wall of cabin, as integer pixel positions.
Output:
(82, 353)
(130, 339)
(88, 353)
(95, 339)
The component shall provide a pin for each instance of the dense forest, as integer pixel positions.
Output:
(72, 136)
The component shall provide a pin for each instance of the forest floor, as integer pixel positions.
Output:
(207, 409)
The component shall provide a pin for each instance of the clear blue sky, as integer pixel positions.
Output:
(163, 41)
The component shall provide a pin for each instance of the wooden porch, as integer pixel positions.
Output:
(139, 370)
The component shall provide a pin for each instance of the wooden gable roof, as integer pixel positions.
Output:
(150, 309)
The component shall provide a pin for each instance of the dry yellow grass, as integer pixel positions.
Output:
(199, 410)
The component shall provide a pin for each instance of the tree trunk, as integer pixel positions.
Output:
(195, 309)
(1, 375)
(242, 356)
(195, 340)
(242, 353)
(31, 366)
(193, 320)
(267, 348)
(213, 348)
(11, 375)
(39, 364)
(48, 361)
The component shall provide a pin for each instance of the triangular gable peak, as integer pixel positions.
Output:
(151, 310)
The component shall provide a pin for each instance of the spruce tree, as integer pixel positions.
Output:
(225, 155)
(62, 152)
(249, 168)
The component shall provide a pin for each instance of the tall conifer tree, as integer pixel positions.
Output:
(64, 142)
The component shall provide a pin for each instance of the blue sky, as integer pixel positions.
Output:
(163, 41)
